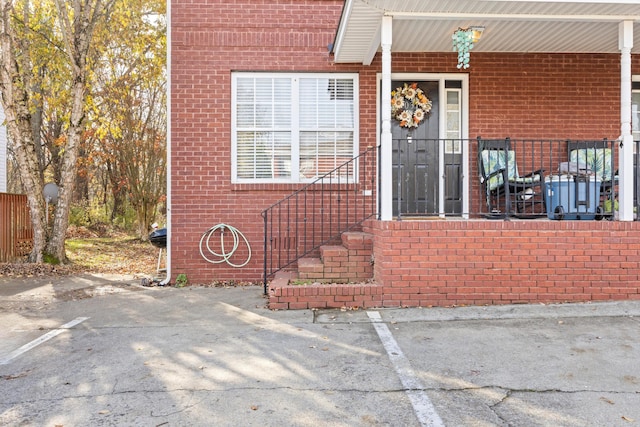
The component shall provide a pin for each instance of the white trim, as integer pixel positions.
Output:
(294, 129)
(466, 173)
(376, 42)
(342, 26)
(625, 166)
(234, 139)
(510, 17)
(441, 78)
(385, 153)
(635, 78)
(564, 1)
(421, 25)
(442, 126)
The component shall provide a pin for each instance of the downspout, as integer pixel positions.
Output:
(625, 41)
(168, 160)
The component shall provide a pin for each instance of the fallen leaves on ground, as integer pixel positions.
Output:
(118, 254)
(25, 269)
(112, 255)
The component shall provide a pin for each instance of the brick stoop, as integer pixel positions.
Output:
(339, 278)
(285, 296)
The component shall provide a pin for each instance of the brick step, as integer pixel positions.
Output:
(310, 268)
(346, 263)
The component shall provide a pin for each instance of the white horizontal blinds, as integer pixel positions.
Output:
(263, 125)
(326, 110)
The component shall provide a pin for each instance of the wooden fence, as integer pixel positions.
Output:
(16, 233)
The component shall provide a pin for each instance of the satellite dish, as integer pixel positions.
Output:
(50, 193)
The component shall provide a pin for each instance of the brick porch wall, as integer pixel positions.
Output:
(477, 262)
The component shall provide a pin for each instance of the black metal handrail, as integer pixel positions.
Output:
(319, 212)
(507, 177)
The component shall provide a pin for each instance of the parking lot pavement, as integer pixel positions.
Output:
(217, 356)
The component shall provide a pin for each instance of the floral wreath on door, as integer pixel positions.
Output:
(409, 105)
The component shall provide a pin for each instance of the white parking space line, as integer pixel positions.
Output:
(46, 337)
(422, 406)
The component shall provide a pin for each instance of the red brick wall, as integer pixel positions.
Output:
(560, 96)
(444, 263)
(546, 96)
(210, 40)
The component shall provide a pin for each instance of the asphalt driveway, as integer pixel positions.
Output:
(90, 350)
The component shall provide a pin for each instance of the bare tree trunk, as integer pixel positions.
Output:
(77, 20)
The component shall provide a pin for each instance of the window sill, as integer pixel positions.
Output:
(291, 187)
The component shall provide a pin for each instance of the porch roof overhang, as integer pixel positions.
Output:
(549, 26)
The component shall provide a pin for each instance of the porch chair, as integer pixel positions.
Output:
(502, 183)
(597, 157)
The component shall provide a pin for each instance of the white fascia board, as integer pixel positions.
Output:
(513, 16)
(373, 47)
(342, 27)
(562, 1)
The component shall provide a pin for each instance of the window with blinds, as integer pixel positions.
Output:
(292, 128)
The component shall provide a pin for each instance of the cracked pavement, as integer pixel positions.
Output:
(216, 356)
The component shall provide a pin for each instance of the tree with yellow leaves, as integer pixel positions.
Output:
(65, 29)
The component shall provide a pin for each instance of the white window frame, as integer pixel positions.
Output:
(295, 123)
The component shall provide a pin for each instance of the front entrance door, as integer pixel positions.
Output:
(416, 158)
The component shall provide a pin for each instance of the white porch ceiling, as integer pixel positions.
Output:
(549, 26)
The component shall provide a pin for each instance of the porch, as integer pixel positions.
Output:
(500, 251)
(385, 29)
(449, 220)
(478, 262)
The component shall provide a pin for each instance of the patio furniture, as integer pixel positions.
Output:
(503, 184)
(596, 157)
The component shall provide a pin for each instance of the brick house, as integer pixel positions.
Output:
(269, 95)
